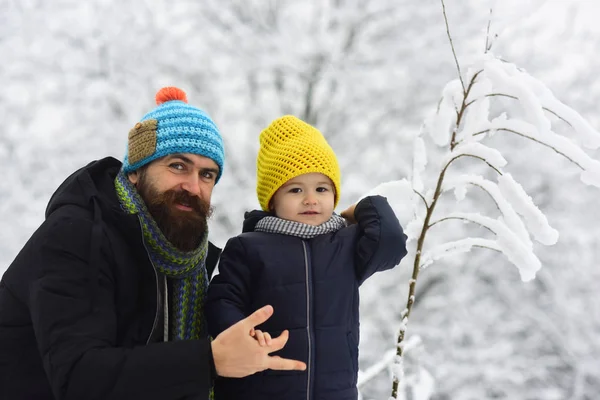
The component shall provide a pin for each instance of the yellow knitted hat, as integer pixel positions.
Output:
(290, 147)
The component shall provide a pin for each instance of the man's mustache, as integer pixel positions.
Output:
(182, 197)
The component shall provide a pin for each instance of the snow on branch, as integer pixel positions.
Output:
(384, 363)
(456, 247)
(534, 97)
(499, 78)
(516, 250)
(439, 125)
(490, 156)
(590, 174)
(535, 220)
(401, 196)
(412, 343)
(510, 217)
(419, 164)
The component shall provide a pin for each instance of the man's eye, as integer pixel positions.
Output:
(208, 175)
(177, 166)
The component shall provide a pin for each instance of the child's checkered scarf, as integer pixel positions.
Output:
(186, 271)
(272, 224)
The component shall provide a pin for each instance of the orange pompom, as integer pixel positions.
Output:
(170, 93)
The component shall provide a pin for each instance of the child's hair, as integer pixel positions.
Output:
(290, 147)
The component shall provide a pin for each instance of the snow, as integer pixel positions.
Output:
(400, 195)
(474, 149)
(419, 164)
(590, 174)
(536, 221)
(439, 124)
(516, 250)
(453, 248)
(509, 215)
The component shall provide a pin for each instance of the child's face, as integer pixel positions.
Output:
(306, 198)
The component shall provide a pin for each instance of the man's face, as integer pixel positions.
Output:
(177, 190)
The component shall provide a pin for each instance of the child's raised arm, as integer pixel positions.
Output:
(382, 242)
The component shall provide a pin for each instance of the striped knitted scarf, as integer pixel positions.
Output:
(186, 271)
(272, 224)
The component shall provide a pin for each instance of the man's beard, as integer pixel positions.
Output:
(183, 229)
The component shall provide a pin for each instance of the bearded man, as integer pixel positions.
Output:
(105, 301)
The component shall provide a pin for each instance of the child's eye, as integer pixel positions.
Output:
(322, 189)
(295, 190)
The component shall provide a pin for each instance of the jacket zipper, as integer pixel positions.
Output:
(157, 313)
(308, 321)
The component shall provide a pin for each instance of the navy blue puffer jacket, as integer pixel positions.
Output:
(313, 287)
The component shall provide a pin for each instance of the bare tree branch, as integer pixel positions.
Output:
(422, 198)
(488, 43)
(452, 46)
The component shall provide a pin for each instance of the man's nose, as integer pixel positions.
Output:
(192, 185)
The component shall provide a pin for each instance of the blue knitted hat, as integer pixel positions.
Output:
(173, 127)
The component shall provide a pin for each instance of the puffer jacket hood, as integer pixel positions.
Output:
(95, 181)
(92, 188)
(251, 218)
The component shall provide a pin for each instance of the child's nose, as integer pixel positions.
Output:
(310, 200)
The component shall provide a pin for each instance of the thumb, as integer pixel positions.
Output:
(259, 316)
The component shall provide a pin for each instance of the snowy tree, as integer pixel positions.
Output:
(464, 119)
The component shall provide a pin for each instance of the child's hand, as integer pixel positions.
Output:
(348, 214)
(263, 338)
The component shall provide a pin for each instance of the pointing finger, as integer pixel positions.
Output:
(285, 364)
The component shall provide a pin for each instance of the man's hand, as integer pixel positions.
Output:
(348, 214)
(263, 338)
(237, 354)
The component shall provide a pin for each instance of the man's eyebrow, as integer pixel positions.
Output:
(190, 162)
(181, 157)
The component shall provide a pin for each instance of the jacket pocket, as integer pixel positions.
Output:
(353, 349)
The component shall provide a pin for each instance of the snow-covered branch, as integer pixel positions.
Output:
(452, 248)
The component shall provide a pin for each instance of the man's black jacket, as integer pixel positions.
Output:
(79, 306)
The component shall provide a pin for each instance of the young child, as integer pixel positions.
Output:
(301, 258)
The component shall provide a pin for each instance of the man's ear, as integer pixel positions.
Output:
(133, 177)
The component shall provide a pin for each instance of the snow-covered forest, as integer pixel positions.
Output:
(77, 75)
